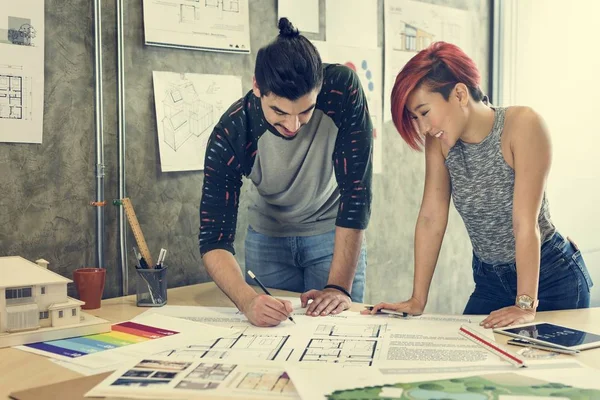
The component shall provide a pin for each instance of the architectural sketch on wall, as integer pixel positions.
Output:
(185, 115)
(187, 108)
(211, 25)
(411, 38)
(21, 71)
(192, 13)
(411, 26)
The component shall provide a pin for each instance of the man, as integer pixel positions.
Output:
(303, 136)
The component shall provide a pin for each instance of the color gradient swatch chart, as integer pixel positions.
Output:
(147, 335)
(123, 334)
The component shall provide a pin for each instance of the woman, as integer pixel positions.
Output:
(493, 161)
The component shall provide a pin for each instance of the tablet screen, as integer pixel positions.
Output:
(555, 334)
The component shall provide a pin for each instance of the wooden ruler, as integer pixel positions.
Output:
(137, 231)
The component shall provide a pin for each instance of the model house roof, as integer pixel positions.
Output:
(17, 271)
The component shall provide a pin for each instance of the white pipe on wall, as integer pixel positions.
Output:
(99, 129)
(121, 150)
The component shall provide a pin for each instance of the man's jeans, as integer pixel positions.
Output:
(297, 263)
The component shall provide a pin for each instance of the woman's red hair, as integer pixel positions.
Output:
(439, 65)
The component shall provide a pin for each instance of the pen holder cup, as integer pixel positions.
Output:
(151, 286)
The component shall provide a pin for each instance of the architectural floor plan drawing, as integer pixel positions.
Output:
(246, 346)
(346, 340)
(11, 97)
(369, 331)
(340, 351)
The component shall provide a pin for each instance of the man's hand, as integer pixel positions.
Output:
(265, 310)
(325, 302)
(411, 306)
(506, 316)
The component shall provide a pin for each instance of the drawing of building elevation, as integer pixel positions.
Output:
(413, 38)
(185, 115)
(11, 97)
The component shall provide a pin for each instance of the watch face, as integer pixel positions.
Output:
(524, 301)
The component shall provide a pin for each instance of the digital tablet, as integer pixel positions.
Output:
(552, 335)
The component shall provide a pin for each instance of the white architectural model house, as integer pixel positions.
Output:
(34, 305)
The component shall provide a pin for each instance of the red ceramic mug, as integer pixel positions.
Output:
(90, 286)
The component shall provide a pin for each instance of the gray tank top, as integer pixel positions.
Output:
(482, 191)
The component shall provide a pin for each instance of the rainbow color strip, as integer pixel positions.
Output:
(122, 334)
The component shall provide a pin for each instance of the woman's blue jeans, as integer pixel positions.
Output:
(297, 263)
(564, 281)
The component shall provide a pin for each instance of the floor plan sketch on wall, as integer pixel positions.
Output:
(15, 97)
(187, 108)
(211, 25)
(21, 71)
(411, 26)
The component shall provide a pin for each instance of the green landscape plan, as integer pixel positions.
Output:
(485, 387)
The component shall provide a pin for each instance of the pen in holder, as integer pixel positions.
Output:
(151, 286)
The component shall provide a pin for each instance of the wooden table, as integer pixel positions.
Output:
(21, 370)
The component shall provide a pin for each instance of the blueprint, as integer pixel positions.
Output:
(210, 25)
(21, 71)
(187, 108)
(348, 339)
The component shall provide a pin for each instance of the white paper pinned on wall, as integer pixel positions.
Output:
(188, 106)
(304, 15)
(210, 25)
(411, 26)
(21, 71)
(351, 23)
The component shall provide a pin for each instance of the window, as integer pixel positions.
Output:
(43, 290)
(44, 315)
(18, 295)
(60, 313)
(539, 44)
(74, 312)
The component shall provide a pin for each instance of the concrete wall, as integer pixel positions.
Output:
(46, 188)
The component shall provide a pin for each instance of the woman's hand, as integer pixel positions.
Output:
(411, 306)
(507, 316)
